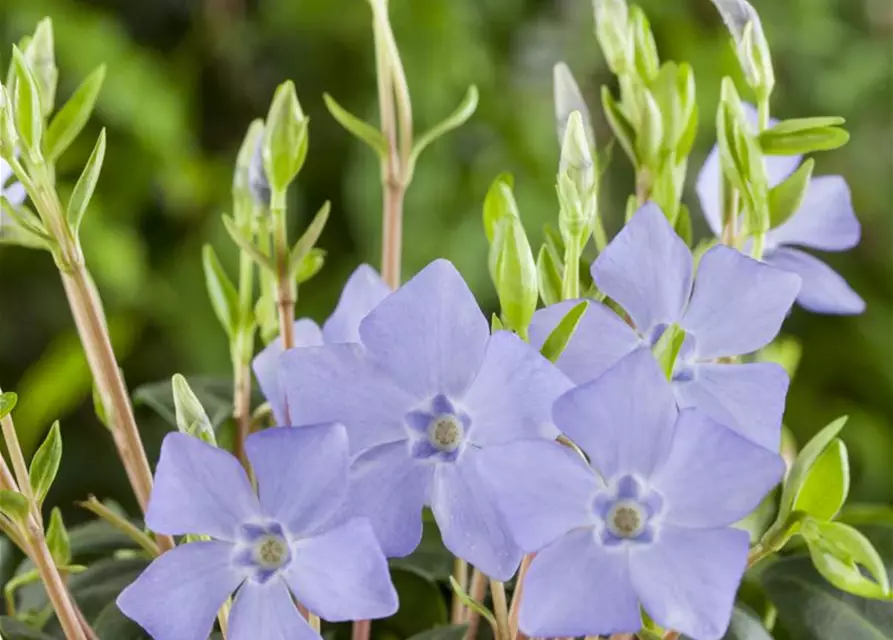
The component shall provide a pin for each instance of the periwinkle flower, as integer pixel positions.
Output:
(423, 393)
(825, 221)
(287, 540)
(648, 523)
(735, 306)
(364, 290)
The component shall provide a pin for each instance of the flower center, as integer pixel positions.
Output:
(445, 432)
(626, 519)
(271, 552)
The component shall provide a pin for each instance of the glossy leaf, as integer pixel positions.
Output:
(827, 483)
(786, 197)
(362, 130)
(774, 143)
(45, 464)
(796, 125)
(223, 294)
(561, 335)
(843, 555)
(71, 119)
(83, 190)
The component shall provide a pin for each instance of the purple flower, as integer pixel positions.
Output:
(735, 306)
(422, 395)
(825, 221)
(647, 524)
(364, 290)
(285, 541)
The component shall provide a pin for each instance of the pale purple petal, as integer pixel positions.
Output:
(363, 291)
(712, 476)
(825, 220)
(687, 579)
(512, 396)
(301, 474)
(469, 520)
(823, 290)
(5, 172)
(267, 611)
(577, 587)
(647, 269)
(340, 383)
(266, 366)
(429, 335)
(543, 489)
(601, 339)
(748, 398)
(178, 595)
(738, 304)
(199, 489)
(389, 487)
(342, 574)
(15, 193)
(622, 420)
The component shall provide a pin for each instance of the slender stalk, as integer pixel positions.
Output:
(19, 466)
(460, 575)
(519, 592)
(314, 622)
(285, 288)
(242, 351)
(478, 592)
(362, 629)
(500, 609)
(571, 281)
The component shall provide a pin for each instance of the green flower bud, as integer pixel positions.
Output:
(750, 42)
(612, 29)
(514, 274)
(191, 416)
(576, 183)
(568, 99)
(644, 48)
(285, 138)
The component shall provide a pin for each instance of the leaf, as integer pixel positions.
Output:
(744, 626)
(83, 190)
(474, 605)
(111, 623)
(422, 605)
(310, 265)
(455, 120)
(45, 464)
(362, 130)
(57, 539)
(246, 244)
(73, 116)
(548, 276)
(450, 632)
(807, 141)
(561, 335)
(14, 505)
(795, 125)
(843, 555)
(498, 203)
(8, 401)
(223, 294)
(215, 395)
(786, 197)
(28, 115)
(827, 484)
(26, 225)
(620, 124)
(12, 629)
(308, 239)
(683, 224)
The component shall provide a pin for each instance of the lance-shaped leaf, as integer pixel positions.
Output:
(83, 190)
(57, 539)
(787, 196)
(548, 270)
(41, 56)
(14, 505)
(792, 143)
(620, 125)
(310, 265)
(455, 120)
(28, 114)
(45, 464)
(474, 605)
(26, 229)
(8, 401)
(71, 119)
(362, 130)
(561, 335)
(223, 294)
(843, 555)
(827, 484)
(308, 240)
(246, 244)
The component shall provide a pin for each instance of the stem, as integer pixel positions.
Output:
(242, 351)
(731, 200)
(478, 592)
(500, 609)
(763, 112)
(516, 596)
(313, 621)
(285, 290)
(571, 284)
(362, 629)
(392, 233)
(460, 575)
(22, 477)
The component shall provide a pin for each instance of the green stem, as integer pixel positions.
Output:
(571, 284)
(500, 609)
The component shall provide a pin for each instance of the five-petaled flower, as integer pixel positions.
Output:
(288, 540)
(364, 290)
(647, 523)
(423, 393)
(735, 306)
(825, 221)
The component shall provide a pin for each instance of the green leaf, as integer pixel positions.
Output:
(58, 540)
(111, 623)
(806, 141)
(71, 119)
(455, 120)
(787, 196)
(285, 138)
(683, 225)
(840, 553)
(450, 632)
(309, 239)
(45, 464)
(474, 605)
(650, 131)
(362, 130)
(29, 117)
(496, 324)
(827, 483)
(12, 629)
(548, 276)
(499, 202)
(223, 294)
(83, 190)
(310, 265)
(8, 401)
(41, 56)
(246, 244)
(422, 605)
(796, 125)
(561, 335)
(14, 505)
(22, 227)
(744, 626)
(620, 124)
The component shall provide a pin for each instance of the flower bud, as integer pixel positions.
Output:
(613, 32)
(258, 184)
(285, 138)
(576, 183)
(568, 99)
(514, 274)
(191, 416)
(644, 47)
(751, 46)
(41, 57)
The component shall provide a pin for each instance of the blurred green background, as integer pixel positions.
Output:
(185, 77)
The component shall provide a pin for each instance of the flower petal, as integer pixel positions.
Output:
(363, 291)
(267, 611)
(712, 476)
(266, 366)
(825, 219)
(342, 574)
(199, 489)
(543, 489)
(647, 269)
(577, 587)
(301, 474)
(687, 579)
(469, 520)
(622, 420)
(15, 193)
(512, 396)
(738, 304)
(748, 398)
(340, 383)
(601, 339)
(389, 487)
(430, 334)
(178, 595)
(824, 290)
